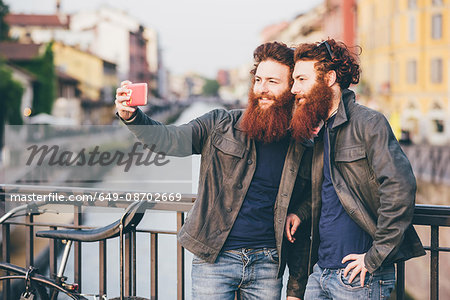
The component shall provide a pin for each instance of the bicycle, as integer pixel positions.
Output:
(40, 287)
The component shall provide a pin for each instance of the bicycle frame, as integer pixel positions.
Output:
(60, 275)
(127, 222)
(54, 286)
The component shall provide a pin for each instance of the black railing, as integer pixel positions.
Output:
(130, 239)
(435, 216)
(429, 215)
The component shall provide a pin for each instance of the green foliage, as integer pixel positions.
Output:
(211, 87)
(44, 70)
(11, 92)
(4, 28)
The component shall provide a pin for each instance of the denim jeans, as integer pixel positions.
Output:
(252, 272)
(331, 284)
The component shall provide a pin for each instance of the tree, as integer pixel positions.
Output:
(11, 97)
(44, 69)
(211, 87)
(4, 28)
(11, 91)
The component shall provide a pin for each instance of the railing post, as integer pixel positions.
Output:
(52, 255)
(102, 267)
(6, 258)
(128, 266)
(401, 280)
(153, 266)
(133, 249)
(434, 266)
(77, 220)
(29, 241)
(180, 260)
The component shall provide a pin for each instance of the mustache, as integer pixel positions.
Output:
(299, 96)
(268, 96)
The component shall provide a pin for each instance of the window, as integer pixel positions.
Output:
(412, 4)
(395, 76)
(438, 126)
(436, 70)
(436, 26)
(411, 72)
(412, 30)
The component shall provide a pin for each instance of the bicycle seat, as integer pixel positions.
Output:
(132, 216)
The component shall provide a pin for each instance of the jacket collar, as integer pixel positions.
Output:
(238, 124)
(347, 97)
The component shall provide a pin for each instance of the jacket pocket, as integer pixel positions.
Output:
(353, 165)
(350, 154)
(228, 146)
(226, 155)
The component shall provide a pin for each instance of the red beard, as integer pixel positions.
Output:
(270, 124)
(314, 109)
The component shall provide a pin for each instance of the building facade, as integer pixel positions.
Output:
(406, 64)
(304, 28)
(340, 22)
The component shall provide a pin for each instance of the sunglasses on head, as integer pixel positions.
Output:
(330, 53)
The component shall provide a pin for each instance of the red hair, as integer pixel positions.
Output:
(341, 60)
(276, 51)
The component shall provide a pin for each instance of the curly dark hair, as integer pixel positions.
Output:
(339, 58)
(276, 51)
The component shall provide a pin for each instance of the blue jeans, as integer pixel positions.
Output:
(331, 284)
(252, 272)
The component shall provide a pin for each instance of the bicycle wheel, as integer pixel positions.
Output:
(36, 289)
(42, 285)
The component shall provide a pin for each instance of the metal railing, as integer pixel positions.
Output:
(31, 225)
(429, 215)
(435, 216)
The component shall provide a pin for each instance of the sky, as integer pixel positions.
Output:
(199, 36)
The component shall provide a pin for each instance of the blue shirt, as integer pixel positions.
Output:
(339, 234)
(254, 227)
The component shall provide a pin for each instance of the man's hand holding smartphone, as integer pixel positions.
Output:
(128, 96)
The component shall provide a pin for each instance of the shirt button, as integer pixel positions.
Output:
(249, 161)
(239, 186)
(284, 195)
(219, 232)
(280, 220)
(229, 209)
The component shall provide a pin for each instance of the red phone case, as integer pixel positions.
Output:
(138, 94)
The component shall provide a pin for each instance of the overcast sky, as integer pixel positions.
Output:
(196, 35)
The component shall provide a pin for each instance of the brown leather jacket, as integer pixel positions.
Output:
(374, 181)
(228, 162)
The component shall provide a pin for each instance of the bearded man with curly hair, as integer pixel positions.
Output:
(363, 187)
(250, 170)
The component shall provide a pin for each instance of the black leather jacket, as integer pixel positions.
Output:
(228, 162)
(374, 181)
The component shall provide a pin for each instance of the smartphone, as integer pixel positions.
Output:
(138, 94)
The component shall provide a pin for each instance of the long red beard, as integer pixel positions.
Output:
(314, 109)
(270, 124)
